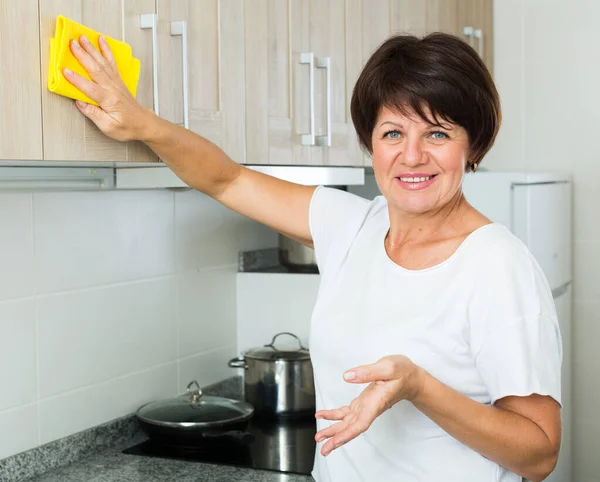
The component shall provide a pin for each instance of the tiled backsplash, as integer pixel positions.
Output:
(110, 299)
(272, 303)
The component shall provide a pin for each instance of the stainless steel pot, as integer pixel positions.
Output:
(296, 256)
(278, 382)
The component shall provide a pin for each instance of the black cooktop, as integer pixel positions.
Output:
(281, 445)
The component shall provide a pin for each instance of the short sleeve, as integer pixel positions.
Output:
(335, 217)
(514, 332)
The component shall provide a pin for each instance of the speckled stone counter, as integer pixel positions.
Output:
(95, 455)
(117, 467)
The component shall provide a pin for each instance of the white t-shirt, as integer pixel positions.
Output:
(482, 322)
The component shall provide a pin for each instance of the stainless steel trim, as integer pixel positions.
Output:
(163, 177)
(180, 29)
(478, 34)
(150, 21)
(56, 178)
(561, 290)
(468, 31)
(308, 58)
(325, 63)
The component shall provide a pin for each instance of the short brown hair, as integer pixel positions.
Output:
(439, 73)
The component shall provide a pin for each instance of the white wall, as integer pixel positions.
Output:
(111, 299)
(547, 68)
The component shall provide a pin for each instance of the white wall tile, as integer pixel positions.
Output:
(90, 336)
(586, 199)
(93, 238)
(206, 368)
(16, 246)
(18, 372)
(509, 148)
(207, 310)
(19, 430)
(586, 266)
(70, 413)
(208, 234)
(271, 303)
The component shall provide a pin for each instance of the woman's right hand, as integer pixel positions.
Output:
(119, 116)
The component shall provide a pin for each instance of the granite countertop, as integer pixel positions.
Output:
(95, 455)
(117, 467)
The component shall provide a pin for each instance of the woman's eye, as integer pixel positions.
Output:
(439, 135)
(392, 134)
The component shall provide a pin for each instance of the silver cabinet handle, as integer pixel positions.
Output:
(149, 21)
(325, 63)
(478, 34)
(468, 31)
(309, 59)
(180, 29)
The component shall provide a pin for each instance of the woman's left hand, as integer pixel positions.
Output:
(391, 379)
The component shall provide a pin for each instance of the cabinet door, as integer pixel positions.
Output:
(277, 82)
(215, 69)
(477, 16)
(141, 44)
(372, 19)
(68, 135)
(338, 63)
(408, 16)
(20, 106)
(443, 16)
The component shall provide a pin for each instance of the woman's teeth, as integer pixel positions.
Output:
(415, 179)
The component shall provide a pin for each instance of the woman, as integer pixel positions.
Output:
(446, 317)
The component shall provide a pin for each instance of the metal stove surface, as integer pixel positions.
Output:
(282, 445)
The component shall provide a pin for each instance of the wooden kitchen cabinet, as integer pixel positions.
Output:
(67, 134)
(20, 106)
(477, 27)
(300, 64)
(211, 101)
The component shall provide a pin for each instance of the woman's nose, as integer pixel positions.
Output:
(413, 152)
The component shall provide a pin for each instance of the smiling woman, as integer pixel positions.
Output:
(444, 316)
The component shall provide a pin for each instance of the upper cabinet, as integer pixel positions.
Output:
(269, 81)
(201, 69)
(20, 106)
(477, 27)
(67, 134)
(299, 66)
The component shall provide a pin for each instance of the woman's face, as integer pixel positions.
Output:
(419, 167)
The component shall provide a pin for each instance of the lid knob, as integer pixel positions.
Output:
(196, 393)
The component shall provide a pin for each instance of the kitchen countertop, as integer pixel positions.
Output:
(95, 455)
(117, 467)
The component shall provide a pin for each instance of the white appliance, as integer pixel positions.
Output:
(536, 207)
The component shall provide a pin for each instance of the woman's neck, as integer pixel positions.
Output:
(453, 219)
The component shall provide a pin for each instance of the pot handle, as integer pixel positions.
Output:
(272, 344)
(237, 363)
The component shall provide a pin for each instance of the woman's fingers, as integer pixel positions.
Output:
(87, 60)
(336, 414)
(347, 433)
(107, 53)
(86, 86)
(101, 66)
(330, 431)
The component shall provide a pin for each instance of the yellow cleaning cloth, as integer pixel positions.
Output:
(61, 58)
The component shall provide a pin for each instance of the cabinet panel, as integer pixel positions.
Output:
(141, 44)
(67, 134)
(443, 16)
(215, 61)
(478, 14)
(408, 16)
(20, 106)
(277, 84)
(328, 39)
